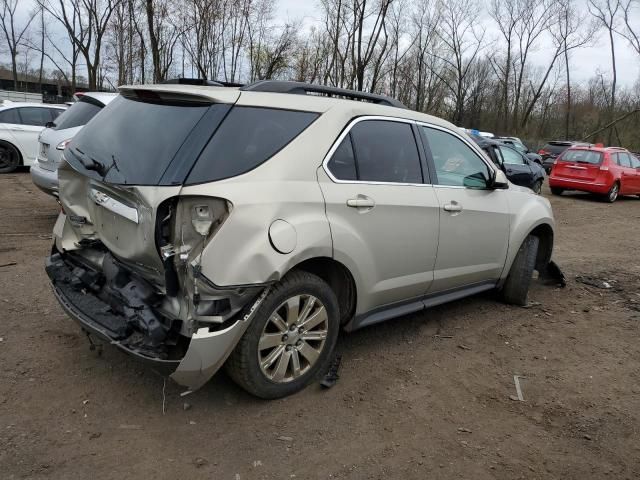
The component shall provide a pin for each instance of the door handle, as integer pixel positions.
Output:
(452, 207)
(361, 201)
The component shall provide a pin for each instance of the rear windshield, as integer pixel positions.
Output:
(133, 142)
(582, 156)
(555, 148)
(78, 114)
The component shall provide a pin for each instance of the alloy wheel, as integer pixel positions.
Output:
(8, 158)
(613, 193)
(293, 338)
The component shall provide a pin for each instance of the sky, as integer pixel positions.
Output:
(585, 62)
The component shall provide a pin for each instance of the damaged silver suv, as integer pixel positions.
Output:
(210, 226)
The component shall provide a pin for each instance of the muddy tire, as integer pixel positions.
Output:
(9, 157)
(516, 287)
(291, 339)
(557, 191)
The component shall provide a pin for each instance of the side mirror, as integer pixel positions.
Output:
(499, 181)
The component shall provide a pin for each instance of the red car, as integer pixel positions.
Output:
(608, 172)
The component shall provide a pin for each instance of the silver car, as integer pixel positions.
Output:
(53, 140)
(211, 226)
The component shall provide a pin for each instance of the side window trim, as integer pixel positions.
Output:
(432, 167)
(347, 131)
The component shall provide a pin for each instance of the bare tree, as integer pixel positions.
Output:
(163, 35)
(631, 31)
(606, 13)
(13, 33)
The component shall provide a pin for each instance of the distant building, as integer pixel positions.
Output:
(53, 91)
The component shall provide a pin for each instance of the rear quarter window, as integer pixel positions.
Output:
(248, 137)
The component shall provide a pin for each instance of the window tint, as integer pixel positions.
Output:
(455, 162)
(343, 164)
(133, 142)
(511, 157)
(78, 114)
(581, 156)
(248, 137)
(10, 116)
(37, 116)
(386, 151)
(56, 112)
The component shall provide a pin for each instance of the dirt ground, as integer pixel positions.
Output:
(425, 396)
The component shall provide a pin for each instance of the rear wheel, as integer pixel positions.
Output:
(613, 193)
(557, 191)
(516, 287)
(9, 157)
(291, 339)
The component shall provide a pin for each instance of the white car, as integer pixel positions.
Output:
(53, 140)
(20, 125)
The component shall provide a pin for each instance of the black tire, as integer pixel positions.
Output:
(243, 365)
(613, 193)
(516, 287)
(557, 191)
(9, 157)
(537, 187)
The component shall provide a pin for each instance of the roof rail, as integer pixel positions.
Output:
(301, 88)
(201, 81)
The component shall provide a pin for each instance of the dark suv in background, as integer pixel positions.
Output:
(553, 149)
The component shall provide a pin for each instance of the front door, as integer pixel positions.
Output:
(474, 220)
(515, 166)
(383, 216)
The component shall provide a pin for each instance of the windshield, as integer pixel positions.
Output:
(555, 148)
(582, 156)
(132, 141)
(78, 114)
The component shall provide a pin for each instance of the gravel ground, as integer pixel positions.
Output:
(425, 396)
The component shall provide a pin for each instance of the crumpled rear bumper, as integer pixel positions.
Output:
(206, 351)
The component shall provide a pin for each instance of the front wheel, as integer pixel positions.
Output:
(557, 191)
(291, 339)
(9, 158)
(537, 187)
(516, 287)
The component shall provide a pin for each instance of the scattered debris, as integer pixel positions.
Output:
(532, 304)
(10, 264)
(130, 427)
(593, 282)
(200, 462)
(516, 380)
(587, 437)
(84, 402)
(332, 375)
(186, 406)
(442, 336)
(464, 347)
(191, 422)
(285, 439)
(464, 430)
(514, 398)
(257, 463)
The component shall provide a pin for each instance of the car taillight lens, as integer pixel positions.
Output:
(62, 145)
(542, 152)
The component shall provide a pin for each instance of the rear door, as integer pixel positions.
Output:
(384, 217)
(474, 220)
(579, 164)
(635, 165)
(516, 167)
(32, 122)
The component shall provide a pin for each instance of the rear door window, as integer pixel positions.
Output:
(78, 114)
(248, 137)
(386, 151)
(343, 163)
(624, 160)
